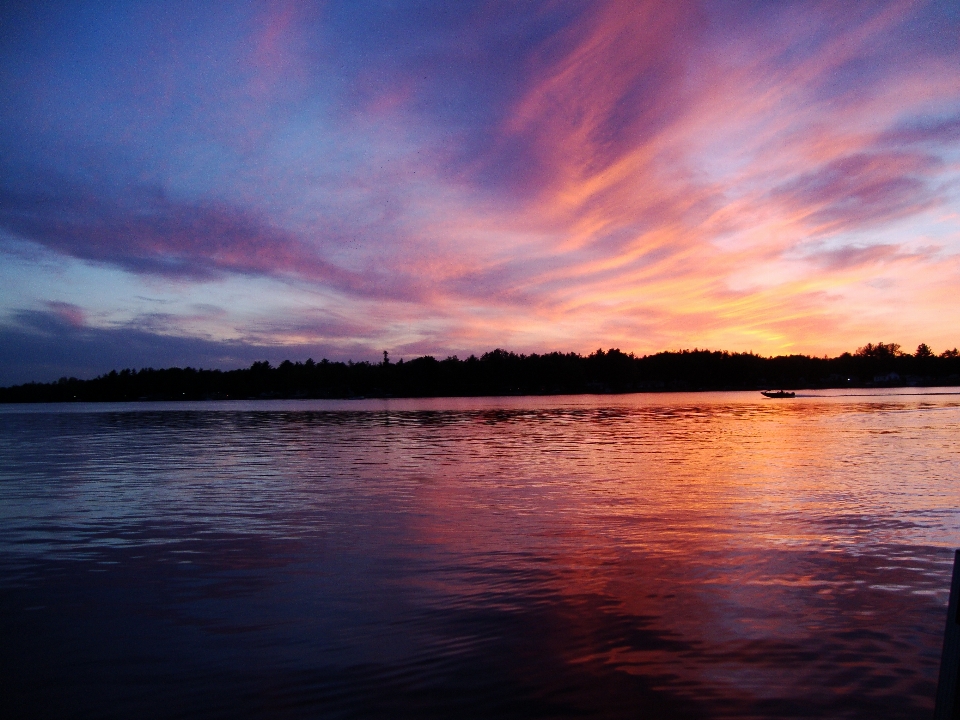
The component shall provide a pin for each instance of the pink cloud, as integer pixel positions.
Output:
(645, 175)
(147, 232)
(67, 313)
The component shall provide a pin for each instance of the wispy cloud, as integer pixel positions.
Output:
(143, 230)
(745, 175)
(862, 189)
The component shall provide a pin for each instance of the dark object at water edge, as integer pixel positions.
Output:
(504, 373)
(777, 394)
(947, 706)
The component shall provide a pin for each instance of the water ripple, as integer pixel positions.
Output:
(666, 556)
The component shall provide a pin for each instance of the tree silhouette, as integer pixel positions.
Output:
(880, 350)
(501, 372)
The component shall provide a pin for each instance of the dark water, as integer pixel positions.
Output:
(674, 556)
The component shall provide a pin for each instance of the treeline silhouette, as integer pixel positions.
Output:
(505, 373)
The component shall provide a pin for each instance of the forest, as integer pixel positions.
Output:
(500, 372)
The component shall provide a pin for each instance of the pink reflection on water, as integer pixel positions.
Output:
(701, 555)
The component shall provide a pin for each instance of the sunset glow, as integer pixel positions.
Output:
(185, 184)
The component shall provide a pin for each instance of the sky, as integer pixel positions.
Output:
(210, 184)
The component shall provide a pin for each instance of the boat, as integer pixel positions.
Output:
(777, 394)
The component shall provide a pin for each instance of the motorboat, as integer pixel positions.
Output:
(777, 393)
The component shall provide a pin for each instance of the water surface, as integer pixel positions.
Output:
(714, 555)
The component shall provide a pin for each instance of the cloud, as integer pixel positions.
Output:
(145, 231)
(851, 256)
(594, 93)
(68, 313)
(923, 130)
(43, 345)
(540, 175)
(862, 189)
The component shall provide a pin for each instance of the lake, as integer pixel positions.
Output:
(699, 555)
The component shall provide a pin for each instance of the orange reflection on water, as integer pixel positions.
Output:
(733, 549)
(693, 555)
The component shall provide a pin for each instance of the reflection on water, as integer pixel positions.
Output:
(702, 555)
